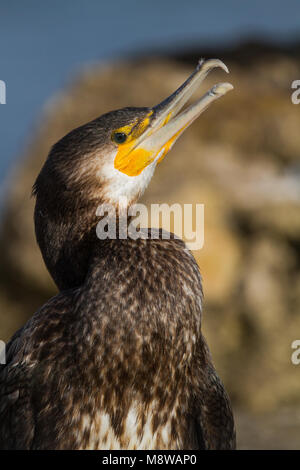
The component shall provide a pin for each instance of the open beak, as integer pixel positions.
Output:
(166, 124)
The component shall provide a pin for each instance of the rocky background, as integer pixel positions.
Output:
(241, 159)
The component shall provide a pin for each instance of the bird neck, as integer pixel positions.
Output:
(68, 238)
(65, 235)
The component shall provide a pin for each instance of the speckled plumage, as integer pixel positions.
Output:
(117, 359)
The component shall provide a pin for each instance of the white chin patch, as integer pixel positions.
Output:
(121, 185)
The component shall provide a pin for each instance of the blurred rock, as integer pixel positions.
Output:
(272, 431)
(239, 159)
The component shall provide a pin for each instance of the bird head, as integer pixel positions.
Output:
(116, 154)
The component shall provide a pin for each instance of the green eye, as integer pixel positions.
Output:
(119, 137)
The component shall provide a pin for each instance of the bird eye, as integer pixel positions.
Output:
(119, 137)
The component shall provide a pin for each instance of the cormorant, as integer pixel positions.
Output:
(116, 360)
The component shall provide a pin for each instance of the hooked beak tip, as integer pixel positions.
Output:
(207, 65)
